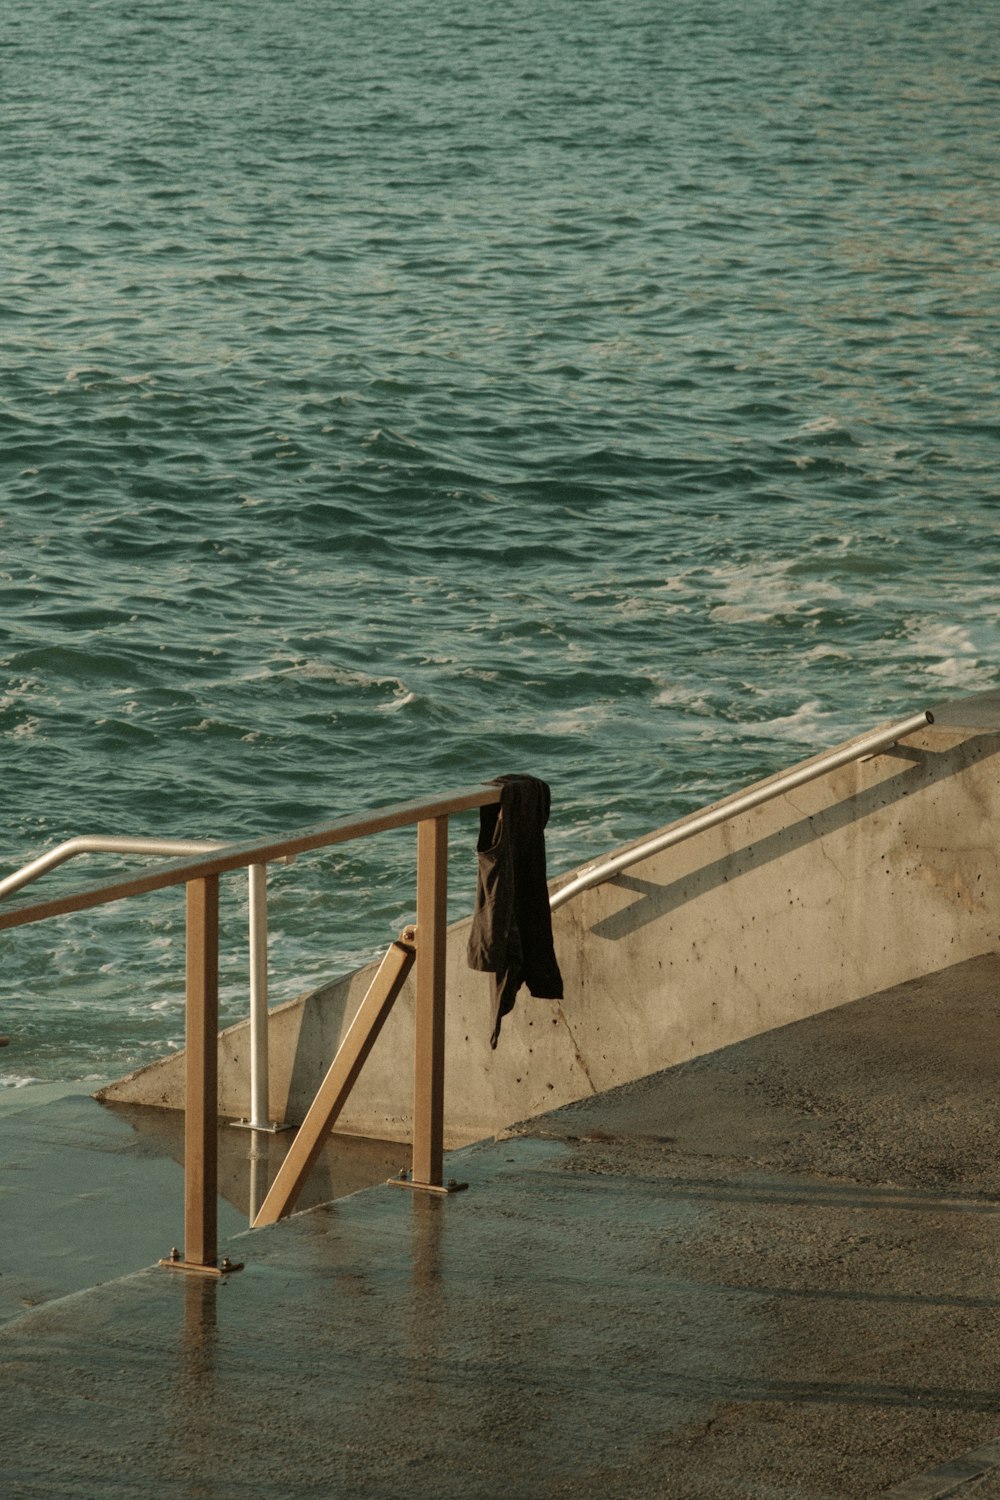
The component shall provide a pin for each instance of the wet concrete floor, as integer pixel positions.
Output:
(771, 1272)
(89, 1193)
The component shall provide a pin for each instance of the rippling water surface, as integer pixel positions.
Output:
(394, 396)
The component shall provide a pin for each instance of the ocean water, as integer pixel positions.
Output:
(394, 396)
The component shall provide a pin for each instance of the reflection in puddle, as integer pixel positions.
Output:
(249, 1159)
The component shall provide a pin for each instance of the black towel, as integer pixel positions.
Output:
(511, 935)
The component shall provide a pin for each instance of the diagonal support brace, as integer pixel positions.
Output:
(333, 1092)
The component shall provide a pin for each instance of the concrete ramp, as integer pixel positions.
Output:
(879, 872)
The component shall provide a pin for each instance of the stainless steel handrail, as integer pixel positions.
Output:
(685, 828)
(99, 843)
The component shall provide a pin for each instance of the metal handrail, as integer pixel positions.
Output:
(685, 828)
(99, 843)
(200, 876)
(238, 856)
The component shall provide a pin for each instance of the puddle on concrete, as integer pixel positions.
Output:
(249, 1159)
(91, 1192)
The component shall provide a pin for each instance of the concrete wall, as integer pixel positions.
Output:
(876, 873)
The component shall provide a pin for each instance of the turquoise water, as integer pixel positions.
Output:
(395, 396)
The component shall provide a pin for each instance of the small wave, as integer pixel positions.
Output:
(315, 670)
(824, 432)
(933, 638)
(576, 721)
(825, 653)
(691, 700)
(736, 614)
(394, 706)
(27, 729)
(804, 725)
(950, 654)
(962, 672)
(758, 593)
(821, 424)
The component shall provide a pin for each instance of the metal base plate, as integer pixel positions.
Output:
(194, 1269)
(427, 1187)
(272, 1128)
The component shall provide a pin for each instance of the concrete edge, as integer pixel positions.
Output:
(949, 1478)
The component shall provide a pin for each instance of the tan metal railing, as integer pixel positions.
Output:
(424, 945)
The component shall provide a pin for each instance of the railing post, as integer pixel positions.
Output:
(201, 1105)
(260, 1085)
(428, 1077)
(260, 1117)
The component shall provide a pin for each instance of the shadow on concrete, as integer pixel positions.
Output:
(924, 769)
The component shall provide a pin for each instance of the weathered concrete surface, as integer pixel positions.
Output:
(874, 874)
(985, 1488)
(766, 1274)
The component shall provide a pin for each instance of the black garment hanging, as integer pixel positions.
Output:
(511, 935)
